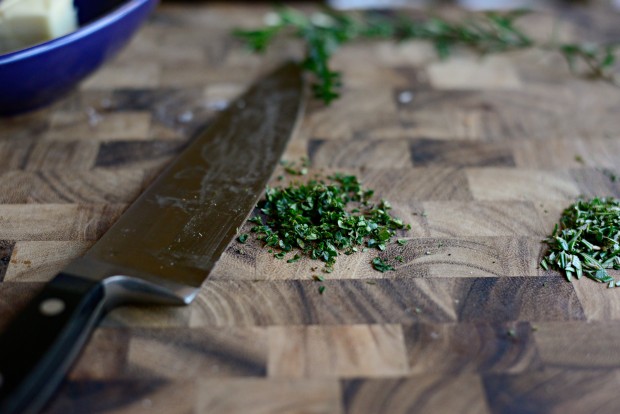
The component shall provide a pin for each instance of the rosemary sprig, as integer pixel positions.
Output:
(490, 32)
(587, 240)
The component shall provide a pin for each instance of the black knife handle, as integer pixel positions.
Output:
(38, 347)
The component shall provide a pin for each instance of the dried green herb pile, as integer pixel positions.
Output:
(322, 219)
(586, 241)
(323, 33)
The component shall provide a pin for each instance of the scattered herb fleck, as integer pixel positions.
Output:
(399, 258)
(586, 241)
(381, 265)
(610, 174)
(402, 242)
(318, 278)
(371, 282)
(512, 333)
(294, 259)
(579, 159)
(321, 289)
(243, 238)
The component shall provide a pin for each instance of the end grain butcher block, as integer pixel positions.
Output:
(479, 155)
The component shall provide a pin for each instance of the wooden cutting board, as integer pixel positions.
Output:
(480, 155)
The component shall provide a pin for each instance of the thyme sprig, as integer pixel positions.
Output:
(587, 240)
(599, 60)
(323, 33)
(322, 220)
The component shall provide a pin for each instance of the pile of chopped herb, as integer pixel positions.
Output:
(587, 241)
(321, 220)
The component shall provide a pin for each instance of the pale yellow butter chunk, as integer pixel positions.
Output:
(24, 23)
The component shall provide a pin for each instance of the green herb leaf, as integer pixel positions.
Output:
(294, 259)
(380, 265)
(243, 238)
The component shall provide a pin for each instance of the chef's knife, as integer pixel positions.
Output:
(162, 248)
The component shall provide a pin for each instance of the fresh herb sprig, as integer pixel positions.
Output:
(322, 220)
(323, 33)
(587, 241)
(598, 60)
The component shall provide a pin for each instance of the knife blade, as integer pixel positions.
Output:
(163, 246)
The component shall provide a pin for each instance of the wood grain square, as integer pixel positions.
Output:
(247, 303)
(350, 153)
(97, 186)
(418, 184)
(175, 76)
(372, 76)
(446, 124)
(148, 317)
(376, 104)
(91, 124)
(599, 302)
(125, 75)
(436, 299)
(519, 185)
(424, 394)
(429, 152)
(578, 345)
(518, 298)
(471, 256)
(15, 154)
(268, 396)
(495, 72)
(482, 218)
(69, 222)
(27, 127)
(466, 347)
(62, 155)
(554, 153)
(175, 112)
(599, 182)
(136, 154)
(40, 261)
(554, 391)
(103, 357)
(177, 353)
(124, 397)
(336, 351)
